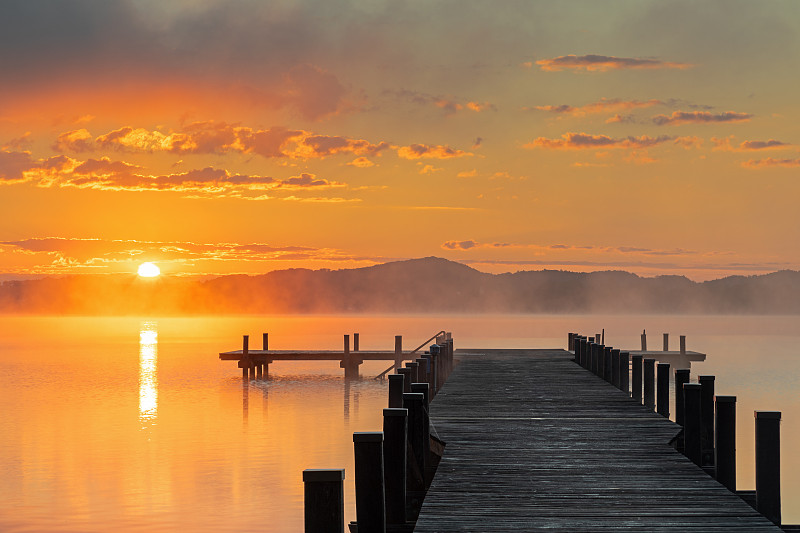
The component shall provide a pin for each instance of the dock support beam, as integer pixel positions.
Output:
(349, 362)
(324, 500)
(768, 464)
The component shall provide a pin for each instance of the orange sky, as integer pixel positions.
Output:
(217, 137)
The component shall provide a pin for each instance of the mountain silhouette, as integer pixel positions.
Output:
(426, 285)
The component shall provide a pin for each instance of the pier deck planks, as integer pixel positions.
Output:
(535, 442)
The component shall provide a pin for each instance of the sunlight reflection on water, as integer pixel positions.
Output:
(148, 372)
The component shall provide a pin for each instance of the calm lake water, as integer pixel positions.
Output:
(126, 424)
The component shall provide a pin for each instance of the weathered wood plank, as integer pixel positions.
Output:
(534, 442)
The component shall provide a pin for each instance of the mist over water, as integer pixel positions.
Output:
(132, 424)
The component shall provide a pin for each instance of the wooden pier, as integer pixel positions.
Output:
(536, 442)
(255, 363)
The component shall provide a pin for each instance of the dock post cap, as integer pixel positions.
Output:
(691, 386)
(726, 399)
(435, 349)
(413, 396)
(395, 411)
(637, 356)
(662, 365)
(705, 378)
(396, 376)
(368, 436)
(682, 371)
(321, 475)
(649, 360)
(771, 415)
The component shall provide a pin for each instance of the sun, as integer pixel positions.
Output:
(148, 270)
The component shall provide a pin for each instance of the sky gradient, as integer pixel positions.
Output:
(215, 137)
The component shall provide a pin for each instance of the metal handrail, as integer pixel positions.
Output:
(412, 352)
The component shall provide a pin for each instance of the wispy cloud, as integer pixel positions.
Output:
(472, 244)
(56, 254)
(584, 141)
(604, 105)
(699, 117)
(726, 143)
(600, 63)
(771, 163)
(427, 151)
(448, 104)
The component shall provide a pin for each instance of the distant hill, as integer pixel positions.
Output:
(429, 284)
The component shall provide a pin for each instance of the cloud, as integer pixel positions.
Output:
(361, 162)
(425, 151)
(467, 173)
(604, 105)
(18, 144)
(110, 175)
(459, 245)
(581, 141)
(13, 167)
(213, 137)
(450, 105)
(699, 117)
(770, 162)
(56, 254)
(762, 145)
(74, 141)
(599, 63)
(429, 169)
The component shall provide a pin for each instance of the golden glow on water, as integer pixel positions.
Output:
(148, 372)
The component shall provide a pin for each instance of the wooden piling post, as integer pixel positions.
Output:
(436, 366)
(681, 377)
(415, 470)
(370, 492)
(692, 423)
(265, 341)
(644, 340)
(649, 383)
(636, 377)
(683, 344)
(398, 352)
(570, 341)
(324, 500)
(624, 372)
(355, 342)
(414, 371)
(707, 414)
(607, 364)
(615, 367)
(422, 370)
(768, 464)
(598, 338)
(663, 390)
(406, 373)
(395, 435)
(666, 342)
(422, 388)
(396, 385)
(725, 448)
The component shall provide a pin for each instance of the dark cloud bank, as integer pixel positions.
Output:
(420, 285)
